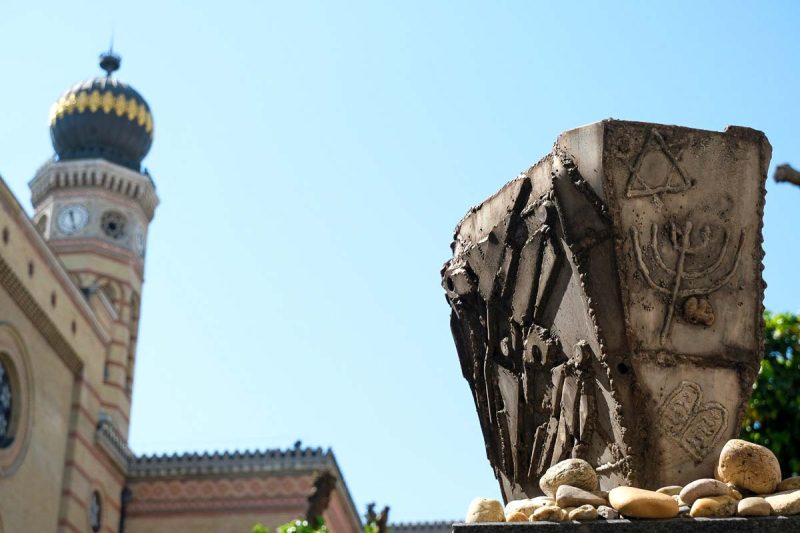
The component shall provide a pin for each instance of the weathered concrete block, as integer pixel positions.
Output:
(607, 304)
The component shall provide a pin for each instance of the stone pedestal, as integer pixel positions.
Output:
(607, 303)
(768, 524)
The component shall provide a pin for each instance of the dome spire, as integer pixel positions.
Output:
(109, 61)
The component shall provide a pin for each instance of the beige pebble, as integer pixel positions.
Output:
(749, 466)
(754, 506)
(549, 513)
(671, 490)
(784, 503)
(703, 488)
(677, 498)
(517, 517)
(569, 496)
(640, 503)
(608, 513)
(713, 506)
(575, 472)
(735, 494)
(485, 510)
(528, 506)
(584, 512)
(790, 483)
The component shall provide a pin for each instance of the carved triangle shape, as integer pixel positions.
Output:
(655, 158)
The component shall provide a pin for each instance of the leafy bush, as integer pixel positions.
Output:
(773, 415)
(295, 526)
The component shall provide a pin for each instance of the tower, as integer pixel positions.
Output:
(93, 203)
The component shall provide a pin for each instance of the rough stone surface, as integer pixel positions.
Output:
(569, 496)
(584, 512)
(702, 488)
(606, 512)
(527, 506)
(640, 503)
(768, 524)
(607, 304)
(575, 472)
(713, 506)
(754, 506)
(749, 466)
(784, 503)
(671, 490)
(790, 483)
(549, 513)
(485, 510)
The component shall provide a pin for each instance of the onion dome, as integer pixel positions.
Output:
(102, 118)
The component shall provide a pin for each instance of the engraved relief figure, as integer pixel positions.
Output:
(573, 406)
(686, 279)
(695, 426)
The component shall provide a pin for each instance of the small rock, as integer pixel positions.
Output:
(749, 466)
(609, 513)
(713, 506)
(677, 498)
(569, 496)
(790, 483)
(683, 511)
(703, 488)
(735, 494)
(485, 510)
(754, 506)
(671, 490)
(549, 513)
(584, 512)
(517, 517)
(640, 503)
(527, 507)
(575, 472)
(785, 503)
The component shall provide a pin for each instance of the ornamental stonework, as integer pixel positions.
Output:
(607, 304)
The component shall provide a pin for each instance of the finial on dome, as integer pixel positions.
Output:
(109, 61)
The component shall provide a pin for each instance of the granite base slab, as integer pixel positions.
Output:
(676, 525)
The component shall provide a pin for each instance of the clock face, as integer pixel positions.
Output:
(72, 219)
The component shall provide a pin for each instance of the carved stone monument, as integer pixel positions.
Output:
(607, 303)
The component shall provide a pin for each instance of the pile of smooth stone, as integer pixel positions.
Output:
(748, 483)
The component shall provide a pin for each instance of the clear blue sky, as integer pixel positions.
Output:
(312, 160)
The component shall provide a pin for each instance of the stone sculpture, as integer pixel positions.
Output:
(607, 303)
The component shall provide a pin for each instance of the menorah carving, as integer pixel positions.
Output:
(681, 242)
(557, 283)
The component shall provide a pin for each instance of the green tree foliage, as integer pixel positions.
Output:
(295, 526)
(773, 416)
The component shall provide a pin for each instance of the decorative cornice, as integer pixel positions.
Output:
(439, 526)
(97, 173)
(195, 464)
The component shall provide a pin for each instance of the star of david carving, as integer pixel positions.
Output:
(677, 180)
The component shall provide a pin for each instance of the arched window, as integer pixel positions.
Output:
(7, 401)
(15, 400)
(41, 226)
(95, 512)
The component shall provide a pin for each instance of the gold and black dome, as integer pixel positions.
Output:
(102, 118)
